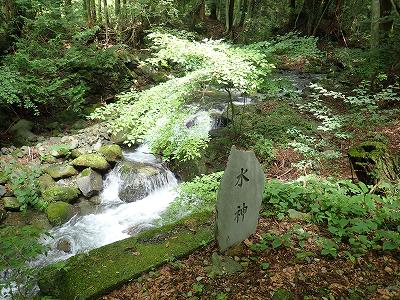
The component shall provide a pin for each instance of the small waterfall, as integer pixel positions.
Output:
(115, 219)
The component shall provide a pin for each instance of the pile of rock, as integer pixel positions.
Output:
(72, 180)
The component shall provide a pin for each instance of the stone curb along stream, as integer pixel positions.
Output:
(88, 276)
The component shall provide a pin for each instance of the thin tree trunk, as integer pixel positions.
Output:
(213, 9)
(229, 9)
(99, 13)
(93, 10)
(375, 15)
(386, 23)
(106, 17)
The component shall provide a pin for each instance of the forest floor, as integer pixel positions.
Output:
(284, 273)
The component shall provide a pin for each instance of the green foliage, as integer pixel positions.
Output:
(54, 67)
(159, 114)
(197, 195)
(350, 212)
(263, 147)
(22, 179)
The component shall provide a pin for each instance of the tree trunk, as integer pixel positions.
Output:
(372, 163)
(106, 17)
(292, 16)
(93, 9)
(375, 16)
(99, 13)
(386, 22)
(213, 9)
(229, 9)
(88, 13)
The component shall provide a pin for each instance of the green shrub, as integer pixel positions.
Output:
(198, 195)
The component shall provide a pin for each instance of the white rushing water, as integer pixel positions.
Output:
(114, 220)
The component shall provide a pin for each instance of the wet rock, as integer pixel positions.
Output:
(64, 245)
(11, 204)
(86, 207)
(61, 171)
(3, 190)
(138, 180)
(59, 213)
(112, 153)
(45, 181)
(89, 182)
(96, 200)
(60, 193)
(94, 161)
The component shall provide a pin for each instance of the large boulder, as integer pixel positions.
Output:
(22, 131)
(61, 171)
(138, 180)
(59, 213)
(94, 161)
(112, 153)
(11, 204)
(60, 193)
(89, 182)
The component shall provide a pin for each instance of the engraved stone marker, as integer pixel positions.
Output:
(239, 198)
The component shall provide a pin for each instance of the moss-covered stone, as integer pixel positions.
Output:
(61, 171)
(3, 177)
(112, 153)
(87, 276)
(11, 204)
(95, 161)
(59, 212)
(77, 152)
(60, 193)
(45, 181)
(372, 162)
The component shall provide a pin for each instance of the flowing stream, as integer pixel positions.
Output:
(114, 220)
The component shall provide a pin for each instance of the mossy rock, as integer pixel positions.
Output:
(45, 181)
(88, 276)
(61, 171)
(112, 153)
(372, 162)
(78, 152)
(94, 161)
(60, 193)
(59, 213)
(3, 177)
(11, 204)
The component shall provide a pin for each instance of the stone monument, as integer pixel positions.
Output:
(239, 198)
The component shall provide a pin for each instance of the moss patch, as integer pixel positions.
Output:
(370, 149)
(94, 161)
(59, 212)
(60, 193)
(103, 269)
(112, 153)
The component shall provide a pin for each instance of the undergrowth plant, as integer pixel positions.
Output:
(198, 195)
(350, 212)
(23, 182)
